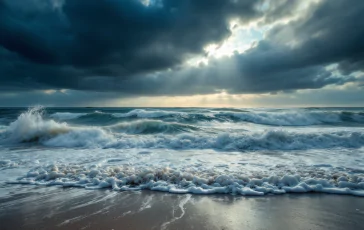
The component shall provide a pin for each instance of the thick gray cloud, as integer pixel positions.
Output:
(331, 33)
(57, 98)
(108, 37)
(133, 49)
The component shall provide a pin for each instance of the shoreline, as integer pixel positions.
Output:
(72, 208)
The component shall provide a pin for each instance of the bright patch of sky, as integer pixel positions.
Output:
(242, 39)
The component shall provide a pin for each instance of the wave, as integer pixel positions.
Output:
(271, 118)
(297, 118)
(36, 128)
(104, 118)
(142, 113)
(266, 140)
(31, 126)
(192, 180)
(66, 115)
(151, 127)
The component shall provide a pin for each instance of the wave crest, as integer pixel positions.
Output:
(67, 115)
(142, 113)
(152, 127)
(271, 118)
(296, 118)
(267, 140)
(30, 126)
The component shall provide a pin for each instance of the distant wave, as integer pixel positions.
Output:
(273, 118)
(151, 126)
(296, 118)
(142, 113)
(66, 115)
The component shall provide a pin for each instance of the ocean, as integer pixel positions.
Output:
(234, 151)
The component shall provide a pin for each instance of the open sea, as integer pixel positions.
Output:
(185, 150)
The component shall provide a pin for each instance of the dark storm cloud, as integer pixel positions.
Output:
(245, 73)
(331, 33)
(56, 98)
(130, 48)
(111, 37)
(292, 56)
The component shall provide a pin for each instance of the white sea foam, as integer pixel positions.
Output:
(193, 181)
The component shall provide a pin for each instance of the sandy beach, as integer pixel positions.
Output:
(58, 208)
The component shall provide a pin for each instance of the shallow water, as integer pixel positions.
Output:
(189, 150)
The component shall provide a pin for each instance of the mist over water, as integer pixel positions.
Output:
(186, 150)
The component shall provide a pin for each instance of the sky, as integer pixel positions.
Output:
(188, 53)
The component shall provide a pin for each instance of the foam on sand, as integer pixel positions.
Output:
(187, 180)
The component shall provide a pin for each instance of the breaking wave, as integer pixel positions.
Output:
(271, 118)
(31, 126)
(142, 113)
(151, 127)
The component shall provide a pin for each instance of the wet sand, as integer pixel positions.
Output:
(72, 208)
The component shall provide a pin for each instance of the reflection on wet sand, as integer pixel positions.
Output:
(54, 208)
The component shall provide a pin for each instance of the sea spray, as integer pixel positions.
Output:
(30, 126)
(189, 150)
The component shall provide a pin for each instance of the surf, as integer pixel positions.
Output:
(33, 126)
(302, 117)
